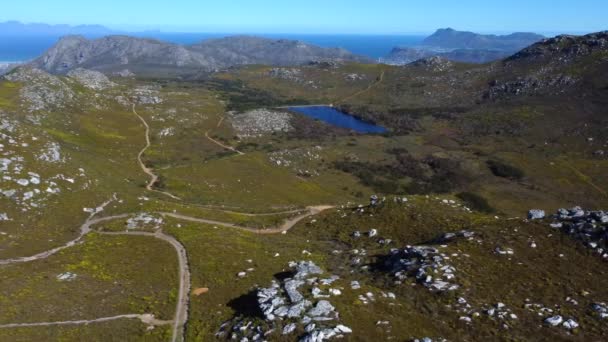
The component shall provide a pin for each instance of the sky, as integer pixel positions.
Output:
(318, 16)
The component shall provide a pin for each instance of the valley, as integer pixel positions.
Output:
(152, 207)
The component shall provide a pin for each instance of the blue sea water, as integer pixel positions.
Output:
(335, 117)
(374, 46)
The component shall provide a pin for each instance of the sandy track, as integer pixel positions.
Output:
(85, 228)
(147, 170)
(287, 225)
(183, 299)
(218, 143)
(145, 318)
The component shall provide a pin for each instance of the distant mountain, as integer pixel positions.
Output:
(401, 56)
(7, 66)
(451, 39)
(240, 50)
(152, 57)
(15, 28)
(463, 46)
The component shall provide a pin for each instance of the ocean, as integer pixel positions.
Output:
(16, 49)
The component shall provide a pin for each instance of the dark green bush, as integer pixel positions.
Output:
(476, 202)
(500, 169)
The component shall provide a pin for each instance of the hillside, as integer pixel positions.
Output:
(177, 209)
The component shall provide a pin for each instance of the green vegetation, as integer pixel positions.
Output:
(452, 146)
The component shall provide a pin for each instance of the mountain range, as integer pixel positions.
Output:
(16, 28)
(462, 46)
(146, 56)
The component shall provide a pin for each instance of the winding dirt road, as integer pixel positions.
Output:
(147, 170)
(183, 298)
(183, 301)
(85, 228)
(287, 225)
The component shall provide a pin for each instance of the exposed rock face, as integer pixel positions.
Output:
(91, 79)
(117, 53)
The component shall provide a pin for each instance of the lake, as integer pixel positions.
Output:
(337, 118)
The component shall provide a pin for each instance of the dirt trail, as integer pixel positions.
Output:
(145, 318)
(183, 298)
(85, 228)
(147, 170)
(218, 143)
(287, 225)
(370, 87)
(584, 178)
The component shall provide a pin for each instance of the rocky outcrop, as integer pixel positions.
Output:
(91, 79)
(40, 91)
(563, 49)
(589, 227)
(434, 64)
(552, 84)
(260, 122)
(296, 305)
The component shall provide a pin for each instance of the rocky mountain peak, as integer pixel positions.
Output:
(564, 47)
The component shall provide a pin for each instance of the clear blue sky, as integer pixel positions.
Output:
(318, 16)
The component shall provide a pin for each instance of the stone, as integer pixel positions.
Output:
(554, 320)
(323, 308)
(536, 214)
(305, 268)
(570, 324)
(289, 328)
(291, 287)
(298, 309)
(342, 329)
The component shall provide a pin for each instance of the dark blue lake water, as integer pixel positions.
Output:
(335, 117)
(29, 47)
